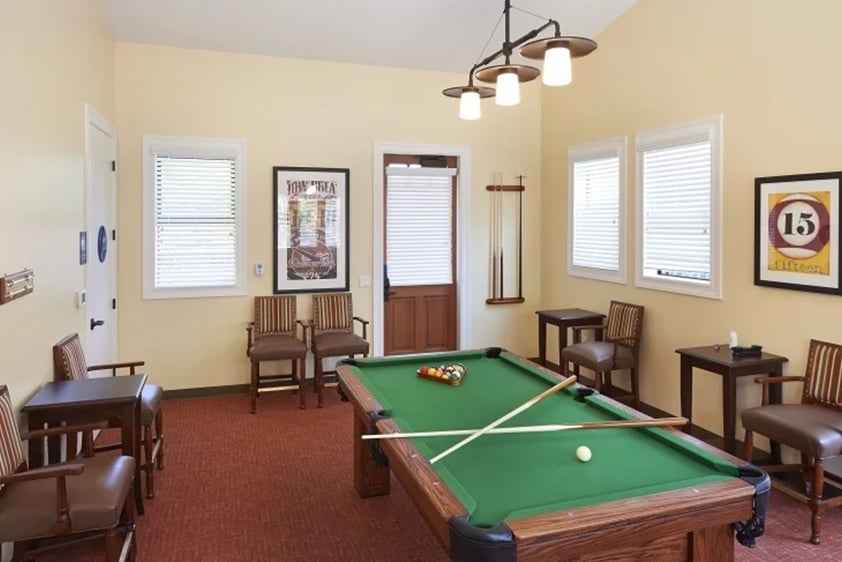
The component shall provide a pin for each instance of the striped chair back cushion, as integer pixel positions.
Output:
(624, 320)
(333, 313)
(823, 382)
(274, 315)
(73, 364)
(11, 452)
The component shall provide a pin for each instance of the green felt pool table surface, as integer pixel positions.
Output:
(648, 493)
(509, 476)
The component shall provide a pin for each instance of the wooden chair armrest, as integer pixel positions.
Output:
(766, 381)
(51, 471)
(60, 473)
(364, 323)
(114, 366)
(249, 329)
(55, 431)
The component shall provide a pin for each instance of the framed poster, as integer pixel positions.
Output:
(796, 232)
(311, 229)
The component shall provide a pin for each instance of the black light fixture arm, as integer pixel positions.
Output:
(508, 47)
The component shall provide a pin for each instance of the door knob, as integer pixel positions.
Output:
(95, 323)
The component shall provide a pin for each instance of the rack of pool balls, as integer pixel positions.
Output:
(448, 374)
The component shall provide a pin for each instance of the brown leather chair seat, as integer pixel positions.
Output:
(339, 343)
(28, 509)
(812, 429)
(150, 403)
(276, 347)
(598, 355)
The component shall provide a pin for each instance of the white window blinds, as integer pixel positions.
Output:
(596, 210)
(195, 222)
(419, 233)
(679, 175)
(676, 214)
(193, 217)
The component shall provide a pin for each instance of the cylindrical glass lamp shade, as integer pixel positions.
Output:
(469, 108)
(557, 67)
(508, 88)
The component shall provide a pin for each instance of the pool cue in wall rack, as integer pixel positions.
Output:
(500, 237)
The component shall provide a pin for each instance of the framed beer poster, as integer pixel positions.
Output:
(796, 223)
(310, 229)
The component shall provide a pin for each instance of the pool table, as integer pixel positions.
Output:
(653, 493)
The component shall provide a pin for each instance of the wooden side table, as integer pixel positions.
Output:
(718, 359)
(563, 318)
(116, 399)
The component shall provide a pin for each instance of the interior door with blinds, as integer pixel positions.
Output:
(420, 241)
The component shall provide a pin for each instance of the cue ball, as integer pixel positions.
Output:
(583, 454)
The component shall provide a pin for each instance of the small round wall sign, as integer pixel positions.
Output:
(101, 244)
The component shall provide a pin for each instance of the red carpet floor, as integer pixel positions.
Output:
(277, 486)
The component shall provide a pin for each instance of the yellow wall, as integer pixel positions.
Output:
(768, 68)
(55, 58)
(302, 113)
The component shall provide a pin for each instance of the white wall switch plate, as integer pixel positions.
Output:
(258, 269)
(365, 281)
(81, 298)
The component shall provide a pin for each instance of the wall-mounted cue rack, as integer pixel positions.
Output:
(505, 247)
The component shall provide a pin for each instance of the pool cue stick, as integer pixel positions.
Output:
(655, 422)
(499, 222)
(525, 406)
(500, 229)
(520, 240)
(493, 239)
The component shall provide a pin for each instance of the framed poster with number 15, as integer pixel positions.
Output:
(796, 232)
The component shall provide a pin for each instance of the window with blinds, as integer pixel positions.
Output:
(419, 225)
(193, 224)
(596, 207)
(679, 201)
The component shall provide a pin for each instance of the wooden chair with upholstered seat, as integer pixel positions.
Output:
(618, 349)
(332, 333)
(813, 427)
(69, 363)
(42, 509)
(272, 336)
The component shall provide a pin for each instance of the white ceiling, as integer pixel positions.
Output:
(428, 34)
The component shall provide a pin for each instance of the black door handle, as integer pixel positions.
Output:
(95, 323)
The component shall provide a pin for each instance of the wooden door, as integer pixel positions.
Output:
(420, 283)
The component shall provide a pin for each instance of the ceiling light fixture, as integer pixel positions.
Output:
(556, 52)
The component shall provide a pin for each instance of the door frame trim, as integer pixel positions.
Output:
(463, 216)
(94, 118)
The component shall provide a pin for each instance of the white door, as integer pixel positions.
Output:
(100, 210)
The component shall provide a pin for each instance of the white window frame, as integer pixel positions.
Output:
(197, 148)
(607, 148)
(709, 129)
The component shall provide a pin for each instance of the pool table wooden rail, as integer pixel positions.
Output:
(660, 522)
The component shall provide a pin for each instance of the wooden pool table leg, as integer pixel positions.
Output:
(370, 477)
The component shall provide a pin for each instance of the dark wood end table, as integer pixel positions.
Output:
(115, 399)
(718, 359)
(563, 318)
